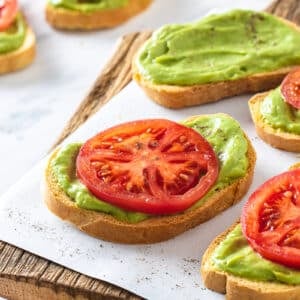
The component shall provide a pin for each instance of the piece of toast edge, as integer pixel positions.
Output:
(175, 96)
(20, 58)
(237, 288)
(152, 230)
(71, 20)
(278, 139)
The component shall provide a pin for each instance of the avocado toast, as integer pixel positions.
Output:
(236, 158)
(216, 57)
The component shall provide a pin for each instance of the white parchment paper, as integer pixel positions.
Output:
(168, 270)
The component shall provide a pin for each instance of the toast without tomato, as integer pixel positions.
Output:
(152, 230)
(278, 139)
(237, 288)
(175, 96)
(20, 58)
(69, 19)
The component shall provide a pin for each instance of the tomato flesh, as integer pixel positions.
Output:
(271, 219)
(153, 166)
(290, 88)
(8, 12)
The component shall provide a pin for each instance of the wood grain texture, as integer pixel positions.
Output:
(26, 276)
(288, 9)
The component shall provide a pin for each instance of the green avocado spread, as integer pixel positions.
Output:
(219, 47)
(279, 114)
(13, 38)
(235, 256)
(87, 6)
(222, 132)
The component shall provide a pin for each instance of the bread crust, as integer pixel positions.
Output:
(152, 230)
(278, 139)
(71, 20)
(237, 288)
(174, 96)
(295, 166)
(20, 58)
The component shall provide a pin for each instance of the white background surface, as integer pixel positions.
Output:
(34, 106)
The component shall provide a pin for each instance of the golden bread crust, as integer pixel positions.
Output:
(237, 288)
(152, 230)
(173, 96)
(278, 139)
(295, 166)
(68, 19)
(20, 58)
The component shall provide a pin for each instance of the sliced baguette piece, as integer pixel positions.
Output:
(152, 230)
(20, 58)
(237, 288)
(278, 139)
(69, 19)
(175, 96)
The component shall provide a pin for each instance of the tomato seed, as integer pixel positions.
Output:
(268, 210)
(183, 176)
(288, 194)
(182, 139)
(129, 186)
(105, 173)
(97, 163)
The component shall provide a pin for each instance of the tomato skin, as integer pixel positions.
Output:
(290, 88)
(271, 219)
(8, 12)
(153, 166)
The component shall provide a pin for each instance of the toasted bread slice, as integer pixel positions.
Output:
(20, 58)
(282, 140)
(237, 288)
(69, 19)
(154, 229)
(175, 96)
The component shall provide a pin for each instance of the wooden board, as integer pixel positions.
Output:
(26, 276)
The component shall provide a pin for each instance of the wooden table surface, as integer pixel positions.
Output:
(27, 276)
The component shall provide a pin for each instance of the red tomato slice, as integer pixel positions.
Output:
(151, 166)
(271, 219)
(290, 88)
(8, 12)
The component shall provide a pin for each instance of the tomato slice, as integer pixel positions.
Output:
(153, 166)
(290, 88)
(271, 219)
(8, 12)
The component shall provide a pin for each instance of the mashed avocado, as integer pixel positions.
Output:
(229, 143)
(220, 47)
(87, 6)
(13, 38)
(280, 115)
(222, 132)
(235, 256)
